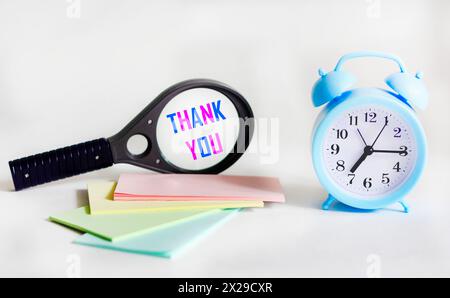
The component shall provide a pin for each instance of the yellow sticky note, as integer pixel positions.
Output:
(101, 194)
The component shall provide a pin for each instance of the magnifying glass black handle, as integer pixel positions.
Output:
(61, 163)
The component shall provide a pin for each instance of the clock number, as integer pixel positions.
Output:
(371, 117)
(335, 149)
(385, 179)
(340, 166)
(397, 132)
(386, 120)
(352, 177)
(404, 150)
(367, 183)
(354, 120)
(342, 134)
(397, 167)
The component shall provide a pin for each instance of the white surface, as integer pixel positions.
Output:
(64, 80)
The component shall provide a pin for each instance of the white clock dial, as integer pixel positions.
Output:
(370, 151)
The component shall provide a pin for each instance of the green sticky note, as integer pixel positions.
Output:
(121, 226)
(168, 242)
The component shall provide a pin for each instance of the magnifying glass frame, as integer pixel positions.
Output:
(145, 124)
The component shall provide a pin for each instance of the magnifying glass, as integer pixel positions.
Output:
(195, 127)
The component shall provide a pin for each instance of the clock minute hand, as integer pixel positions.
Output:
(390, 151)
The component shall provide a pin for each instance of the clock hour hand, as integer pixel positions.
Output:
(358, 163)
(367, 151)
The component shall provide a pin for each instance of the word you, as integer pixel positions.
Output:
(205, 144)
(196, 117)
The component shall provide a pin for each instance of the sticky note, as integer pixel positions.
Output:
(167, 243)
(181, 187)
(101, 202)
(122, 226)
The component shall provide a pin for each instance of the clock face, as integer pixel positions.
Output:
(370, 151)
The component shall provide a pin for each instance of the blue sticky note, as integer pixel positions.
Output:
(167, 242)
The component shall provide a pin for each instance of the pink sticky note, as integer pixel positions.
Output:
(180, 187)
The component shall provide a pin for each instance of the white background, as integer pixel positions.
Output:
(67, 77)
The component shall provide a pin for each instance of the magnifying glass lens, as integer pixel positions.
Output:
(197, 129)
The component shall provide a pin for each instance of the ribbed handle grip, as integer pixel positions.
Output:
(61, 163)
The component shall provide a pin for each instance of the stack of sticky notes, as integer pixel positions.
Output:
(161, 215)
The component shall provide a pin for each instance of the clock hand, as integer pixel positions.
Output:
(360, 134)
(367, 151)
(358, 163)
(379, 134)
(391, 151)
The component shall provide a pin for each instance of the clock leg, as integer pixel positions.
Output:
(327, 204)
(405, 206)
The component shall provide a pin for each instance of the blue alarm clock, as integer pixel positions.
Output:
(369, 148)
